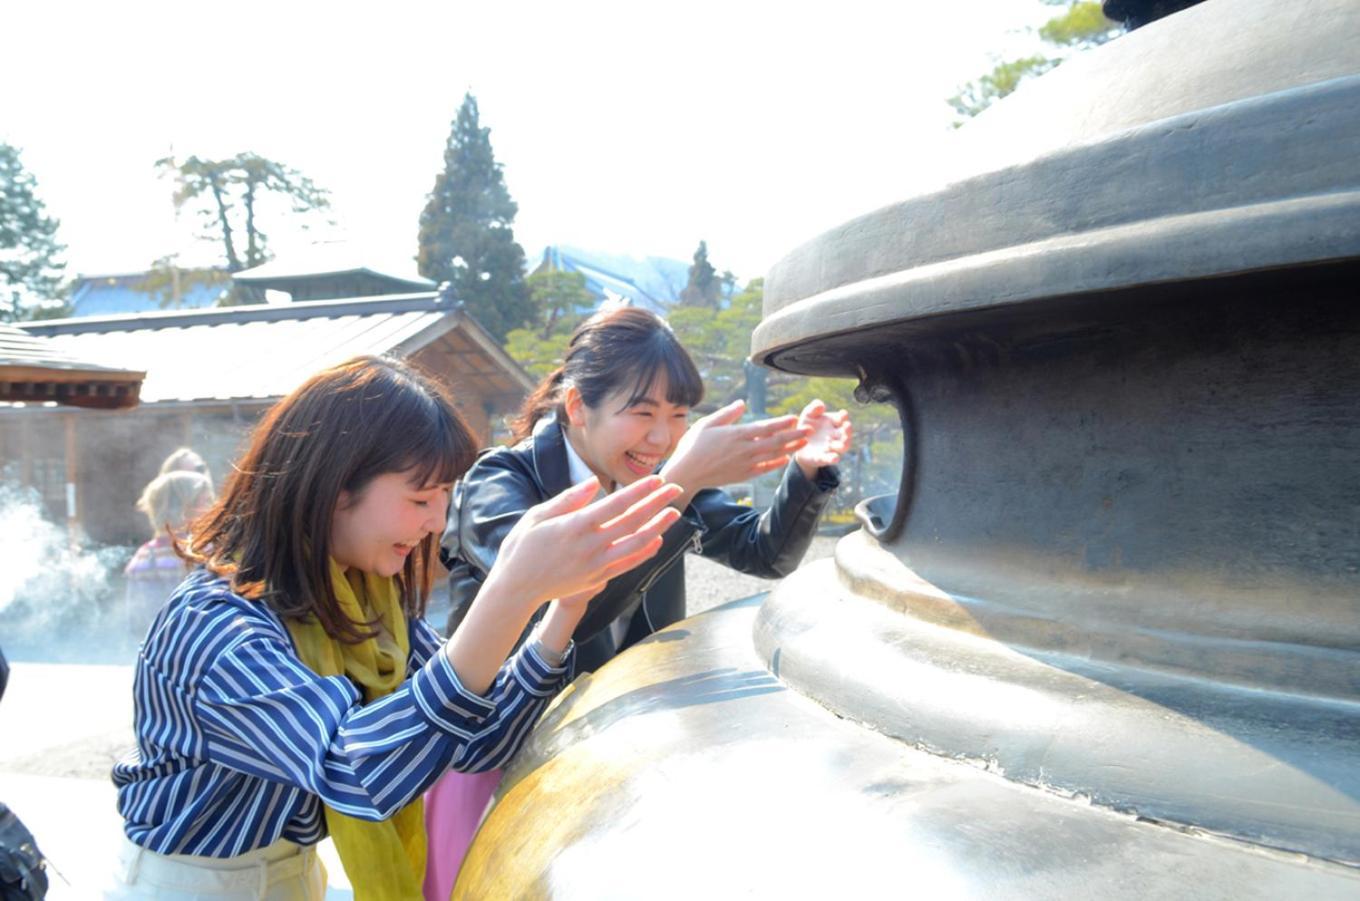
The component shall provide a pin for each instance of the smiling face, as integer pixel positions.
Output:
(375, 529)
(622, 442)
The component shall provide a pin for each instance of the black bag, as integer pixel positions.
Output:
(23, 875)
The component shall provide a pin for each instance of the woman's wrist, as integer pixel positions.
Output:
(507, 592)
(554, 631)
(479, 646)
(675, 473)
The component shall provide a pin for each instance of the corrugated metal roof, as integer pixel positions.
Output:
(262, 352)
(19, 348)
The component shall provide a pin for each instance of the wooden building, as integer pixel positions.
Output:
(211, 373)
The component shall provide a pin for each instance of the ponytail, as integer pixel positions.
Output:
(540, 403)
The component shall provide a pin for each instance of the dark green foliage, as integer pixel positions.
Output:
(466, 234)
(538, 354)
(720, 340)
(30, 273)
(559, 299)
(560, 302)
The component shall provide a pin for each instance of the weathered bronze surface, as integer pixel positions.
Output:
(1105, 640)
(686, 769)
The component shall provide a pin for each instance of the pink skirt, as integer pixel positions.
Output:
(454, 807)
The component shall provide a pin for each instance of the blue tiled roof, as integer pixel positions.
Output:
(109, 295)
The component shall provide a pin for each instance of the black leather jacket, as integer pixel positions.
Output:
(506, 482)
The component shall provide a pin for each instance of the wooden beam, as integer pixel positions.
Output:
(81, 376)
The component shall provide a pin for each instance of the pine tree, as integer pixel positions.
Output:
(227, 195)
(704, 287)
(29, 269)
(466, 236)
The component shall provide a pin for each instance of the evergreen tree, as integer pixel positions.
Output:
(466, 236)
(560, 301)
(704, 287)
(720, 340)
(227, 195)
(30, 272)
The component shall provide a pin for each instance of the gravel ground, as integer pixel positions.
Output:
(708, 583)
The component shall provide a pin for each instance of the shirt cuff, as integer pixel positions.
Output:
(444, 700)
(536, 675)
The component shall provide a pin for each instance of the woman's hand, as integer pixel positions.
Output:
(569, 546)
(718, 450)
(828, 438)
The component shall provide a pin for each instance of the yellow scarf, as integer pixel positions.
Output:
(383, 860)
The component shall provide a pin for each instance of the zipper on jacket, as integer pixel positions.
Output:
(684, 546)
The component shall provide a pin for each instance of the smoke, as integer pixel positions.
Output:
(57, 601)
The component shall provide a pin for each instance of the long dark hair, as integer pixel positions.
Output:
(269, 533)
(608, 351)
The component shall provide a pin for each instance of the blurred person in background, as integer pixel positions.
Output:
(185, 460)
(170, 501)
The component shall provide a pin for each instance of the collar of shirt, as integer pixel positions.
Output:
(577, 467)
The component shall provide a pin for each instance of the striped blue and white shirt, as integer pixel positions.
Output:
(239, 743)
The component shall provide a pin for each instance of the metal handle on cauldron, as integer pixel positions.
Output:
(884, 515)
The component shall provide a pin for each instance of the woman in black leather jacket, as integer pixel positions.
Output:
(617, 409)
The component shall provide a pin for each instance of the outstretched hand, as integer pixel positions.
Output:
(829, 436)
(571, 545)
(568, 548)
(719, 449)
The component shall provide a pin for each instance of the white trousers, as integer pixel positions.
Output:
(283, 871)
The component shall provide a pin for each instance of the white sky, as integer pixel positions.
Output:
(630, 127)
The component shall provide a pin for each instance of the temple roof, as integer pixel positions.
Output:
(35, 369)
(263, 351)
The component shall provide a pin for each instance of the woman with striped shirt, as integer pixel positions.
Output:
(289, 688)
